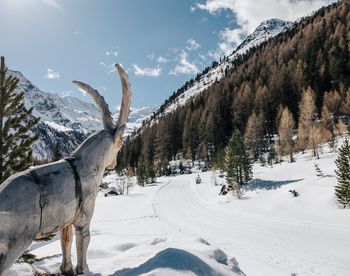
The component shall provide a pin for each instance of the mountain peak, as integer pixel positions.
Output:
(267, 29)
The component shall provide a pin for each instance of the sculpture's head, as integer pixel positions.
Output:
(115, 131)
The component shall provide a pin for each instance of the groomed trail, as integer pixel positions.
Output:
(262, 245)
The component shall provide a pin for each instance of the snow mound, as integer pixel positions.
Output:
(178, 260)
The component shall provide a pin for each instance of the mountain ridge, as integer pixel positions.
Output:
(266, 30)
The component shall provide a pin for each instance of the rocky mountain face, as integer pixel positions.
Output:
(66, 121)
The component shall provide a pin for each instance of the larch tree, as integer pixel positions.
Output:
(317, 135)
(254, 135)
(345, 106)
(237, 163)
(15, 125)
(307, 117)
(286, 131)
(330, 113)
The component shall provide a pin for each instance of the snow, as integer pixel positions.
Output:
(58, 127)
(177, 227)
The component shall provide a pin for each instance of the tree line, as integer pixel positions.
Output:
(294, 84)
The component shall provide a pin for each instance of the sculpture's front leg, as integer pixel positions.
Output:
(66, 245)
(82, 234)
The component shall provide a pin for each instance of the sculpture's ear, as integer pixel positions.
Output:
(100, 102)
(125, 105)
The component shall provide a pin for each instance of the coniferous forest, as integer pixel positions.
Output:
(305, 70)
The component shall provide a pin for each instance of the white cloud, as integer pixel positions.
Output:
(110, 68)
(52, 75)
(192, 45)
(53, 4)
(185, 67)
(151, 56)
(148, 72)
(162, 59)
(112, 53)
(229, 40)
(250, 13)
(159, 59)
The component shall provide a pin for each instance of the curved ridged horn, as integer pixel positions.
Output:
(100, 102)
(125, 105)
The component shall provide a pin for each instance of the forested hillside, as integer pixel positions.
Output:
(313, 57)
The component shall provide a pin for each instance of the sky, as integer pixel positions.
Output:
(160, 43)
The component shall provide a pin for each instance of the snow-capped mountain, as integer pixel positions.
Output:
(57, 111)
(66, 121)
(263, 32)
(266, 30)
(136, 117)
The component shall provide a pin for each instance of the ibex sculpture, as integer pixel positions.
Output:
(57, 196)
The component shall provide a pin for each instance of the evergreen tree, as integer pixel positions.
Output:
(237, 162)
(142, 172)
(15, 126)
(342, 189)
(271, 158)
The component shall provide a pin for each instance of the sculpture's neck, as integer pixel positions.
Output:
(90, 156)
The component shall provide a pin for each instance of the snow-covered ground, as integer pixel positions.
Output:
(176, 227)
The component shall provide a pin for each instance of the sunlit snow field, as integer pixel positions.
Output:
(177, 227)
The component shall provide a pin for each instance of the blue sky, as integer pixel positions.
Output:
(161, 43)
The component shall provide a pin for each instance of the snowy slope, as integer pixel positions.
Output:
(263, 32)
(176, 227)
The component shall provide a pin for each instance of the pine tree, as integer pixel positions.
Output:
(271, 158)
(342, 189)
(15, 126)
(237, 162)
(141, 172)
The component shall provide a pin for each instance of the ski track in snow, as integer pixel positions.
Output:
(285, 246)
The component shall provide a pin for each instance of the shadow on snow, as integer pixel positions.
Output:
(259, 184)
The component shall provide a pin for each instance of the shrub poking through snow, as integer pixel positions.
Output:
(294, 193)
(318, 170)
